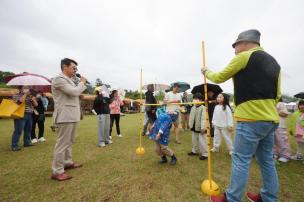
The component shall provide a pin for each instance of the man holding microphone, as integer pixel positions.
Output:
(66, 115)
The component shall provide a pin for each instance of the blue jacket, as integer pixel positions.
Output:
(162, 125)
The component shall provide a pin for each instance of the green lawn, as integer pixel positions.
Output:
(115, 173)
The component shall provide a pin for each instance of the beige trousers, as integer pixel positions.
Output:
(162, 150)
(63, 147)
(199, 144)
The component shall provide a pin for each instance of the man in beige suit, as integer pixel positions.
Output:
(66, 115)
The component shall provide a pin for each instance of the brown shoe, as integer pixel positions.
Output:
(72, 166)
(61, 177)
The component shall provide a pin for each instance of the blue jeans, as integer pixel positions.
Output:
(253, 138)
(20, 125)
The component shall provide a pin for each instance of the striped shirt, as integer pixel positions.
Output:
(28, 102)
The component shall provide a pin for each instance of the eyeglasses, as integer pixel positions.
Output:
(75, 69)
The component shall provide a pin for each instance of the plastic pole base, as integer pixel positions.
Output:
(140, 151)
(212, 190)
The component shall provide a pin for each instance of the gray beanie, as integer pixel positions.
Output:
(251, 35)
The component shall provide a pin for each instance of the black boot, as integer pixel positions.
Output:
(203, 157)
(192, 154)
(163, 160)
(173, 160)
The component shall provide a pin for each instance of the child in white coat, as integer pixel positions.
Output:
(222, 122)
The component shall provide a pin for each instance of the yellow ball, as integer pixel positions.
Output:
(214, 190)
(140, 151)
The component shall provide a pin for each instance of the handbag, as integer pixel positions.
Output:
(9, 109)
(19, 113)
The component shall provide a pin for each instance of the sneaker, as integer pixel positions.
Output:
(220, 198)
(16, 149)
(110, 137)
(214, 149)
(110, 142)
(203, 157)
(230, 153)
(42, 139)
(163, 160)
(173, 160)
(34, 140)
(192, 154)
(102, 144)
(283, 159)
(120, 135)
(297, 157)
(254, 197)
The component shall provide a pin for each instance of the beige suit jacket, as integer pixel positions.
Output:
(66, 99)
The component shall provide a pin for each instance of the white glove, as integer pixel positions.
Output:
(94, 112)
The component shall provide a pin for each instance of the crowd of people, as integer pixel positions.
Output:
(259, 122)
(190, 117)
(35, 106)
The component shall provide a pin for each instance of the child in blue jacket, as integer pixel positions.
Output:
(161, 133)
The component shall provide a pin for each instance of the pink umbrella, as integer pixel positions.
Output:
(157, 87)
(38, 82)
(28, 80)
(8, 78)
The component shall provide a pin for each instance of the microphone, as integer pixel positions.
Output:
(79, 76)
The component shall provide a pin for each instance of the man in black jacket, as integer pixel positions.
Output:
(150, 110)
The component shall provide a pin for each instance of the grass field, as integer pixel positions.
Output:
(115, 173)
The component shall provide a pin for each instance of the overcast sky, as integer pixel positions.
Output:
(112, 40)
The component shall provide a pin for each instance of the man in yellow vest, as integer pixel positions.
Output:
(256, 78)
